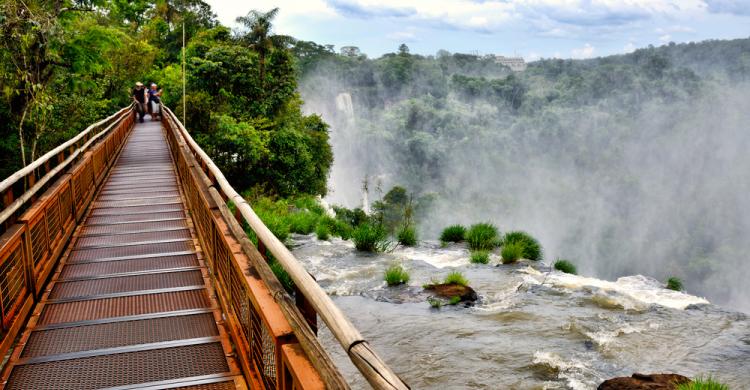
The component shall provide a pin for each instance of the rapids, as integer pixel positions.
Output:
(531, 328)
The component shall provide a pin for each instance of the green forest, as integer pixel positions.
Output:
(66, 64)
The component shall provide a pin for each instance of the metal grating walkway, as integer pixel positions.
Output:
(131, 304)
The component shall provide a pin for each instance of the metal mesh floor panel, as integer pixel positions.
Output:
(154, 193)
(91, 287)
(125, 218)
(118, 334)
(132, 265)
(84, 242)
(229, 385)
(121, 369)
(158, 208)
(55, 313)
(132, 227)
(134, 202)
(131, 250)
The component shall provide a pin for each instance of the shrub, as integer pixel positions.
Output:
(302, 222)
(435, 303)
(309, 203)
(565, 266)
(511, 252)
(369, 238)
(481, 236)
(323, 232)
(480, 257)
(674, 283)
(453, 233)
(454, 300)
(407, 236)
(531, 248)
(701, 383)
(276, 223)
(282, 275)
(336, 227)
(395, 275)
(456, 277)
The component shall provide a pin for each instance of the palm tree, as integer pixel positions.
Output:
(258, 36)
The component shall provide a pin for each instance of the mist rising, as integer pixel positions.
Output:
(633, 164)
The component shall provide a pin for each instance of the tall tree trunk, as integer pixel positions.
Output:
(20, 136)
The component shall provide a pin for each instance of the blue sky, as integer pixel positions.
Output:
(527, 28)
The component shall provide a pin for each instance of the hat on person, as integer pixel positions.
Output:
(138, 84)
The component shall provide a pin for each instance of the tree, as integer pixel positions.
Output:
(259, 37)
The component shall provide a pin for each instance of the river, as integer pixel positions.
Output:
(530, 329)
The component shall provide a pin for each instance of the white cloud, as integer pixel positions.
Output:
(587, 51)
(629, 48)
(407, 35)
(674, 29)
(665, 38)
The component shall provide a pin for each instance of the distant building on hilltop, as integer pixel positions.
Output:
(350, 51)
(516, 64)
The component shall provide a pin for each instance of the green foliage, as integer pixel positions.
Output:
(282, 275)
(531, 248)
(674, 283)
(435, 303)
(512, 252)
(480, 257)
(407, 236)
(454, 300)
(703, 383)
(352, 217)
(302, 222)
(453, 233)
(322, 231)
(456, 277)
(481, 236)
(336, 227)
(370, 238)
(566, 266)
(395, 275)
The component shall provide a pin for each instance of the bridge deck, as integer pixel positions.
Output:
(130, 305)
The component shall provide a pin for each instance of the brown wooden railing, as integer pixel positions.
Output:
(41, 205)
(275, 341)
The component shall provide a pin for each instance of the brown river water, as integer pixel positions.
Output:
(531, 329)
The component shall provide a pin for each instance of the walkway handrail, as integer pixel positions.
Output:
(375, 371)
(52, 166)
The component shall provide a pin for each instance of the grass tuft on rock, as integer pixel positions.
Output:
(435, 303)
(322, 232)
(302, 222)
(480, 257)
(566, 266)
(701, 383)
(674, 283)
(456, 277)
(532, 250)
(512, 252)
(370, 238)
(453, 233)
(395, 275)
(482, 236)
(407, 236)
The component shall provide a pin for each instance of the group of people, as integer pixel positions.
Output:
(147, 100)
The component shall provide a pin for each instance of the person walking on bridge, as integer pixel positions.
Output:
(154, 100)
(139, 97)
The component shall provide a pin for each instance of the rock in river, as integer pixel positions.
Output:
(644, 382)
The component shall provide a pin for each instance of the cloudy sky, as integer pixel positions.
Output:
(528, 28)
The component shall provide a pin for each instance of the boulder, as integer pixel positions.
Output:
(645, 382)
(451, 290)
